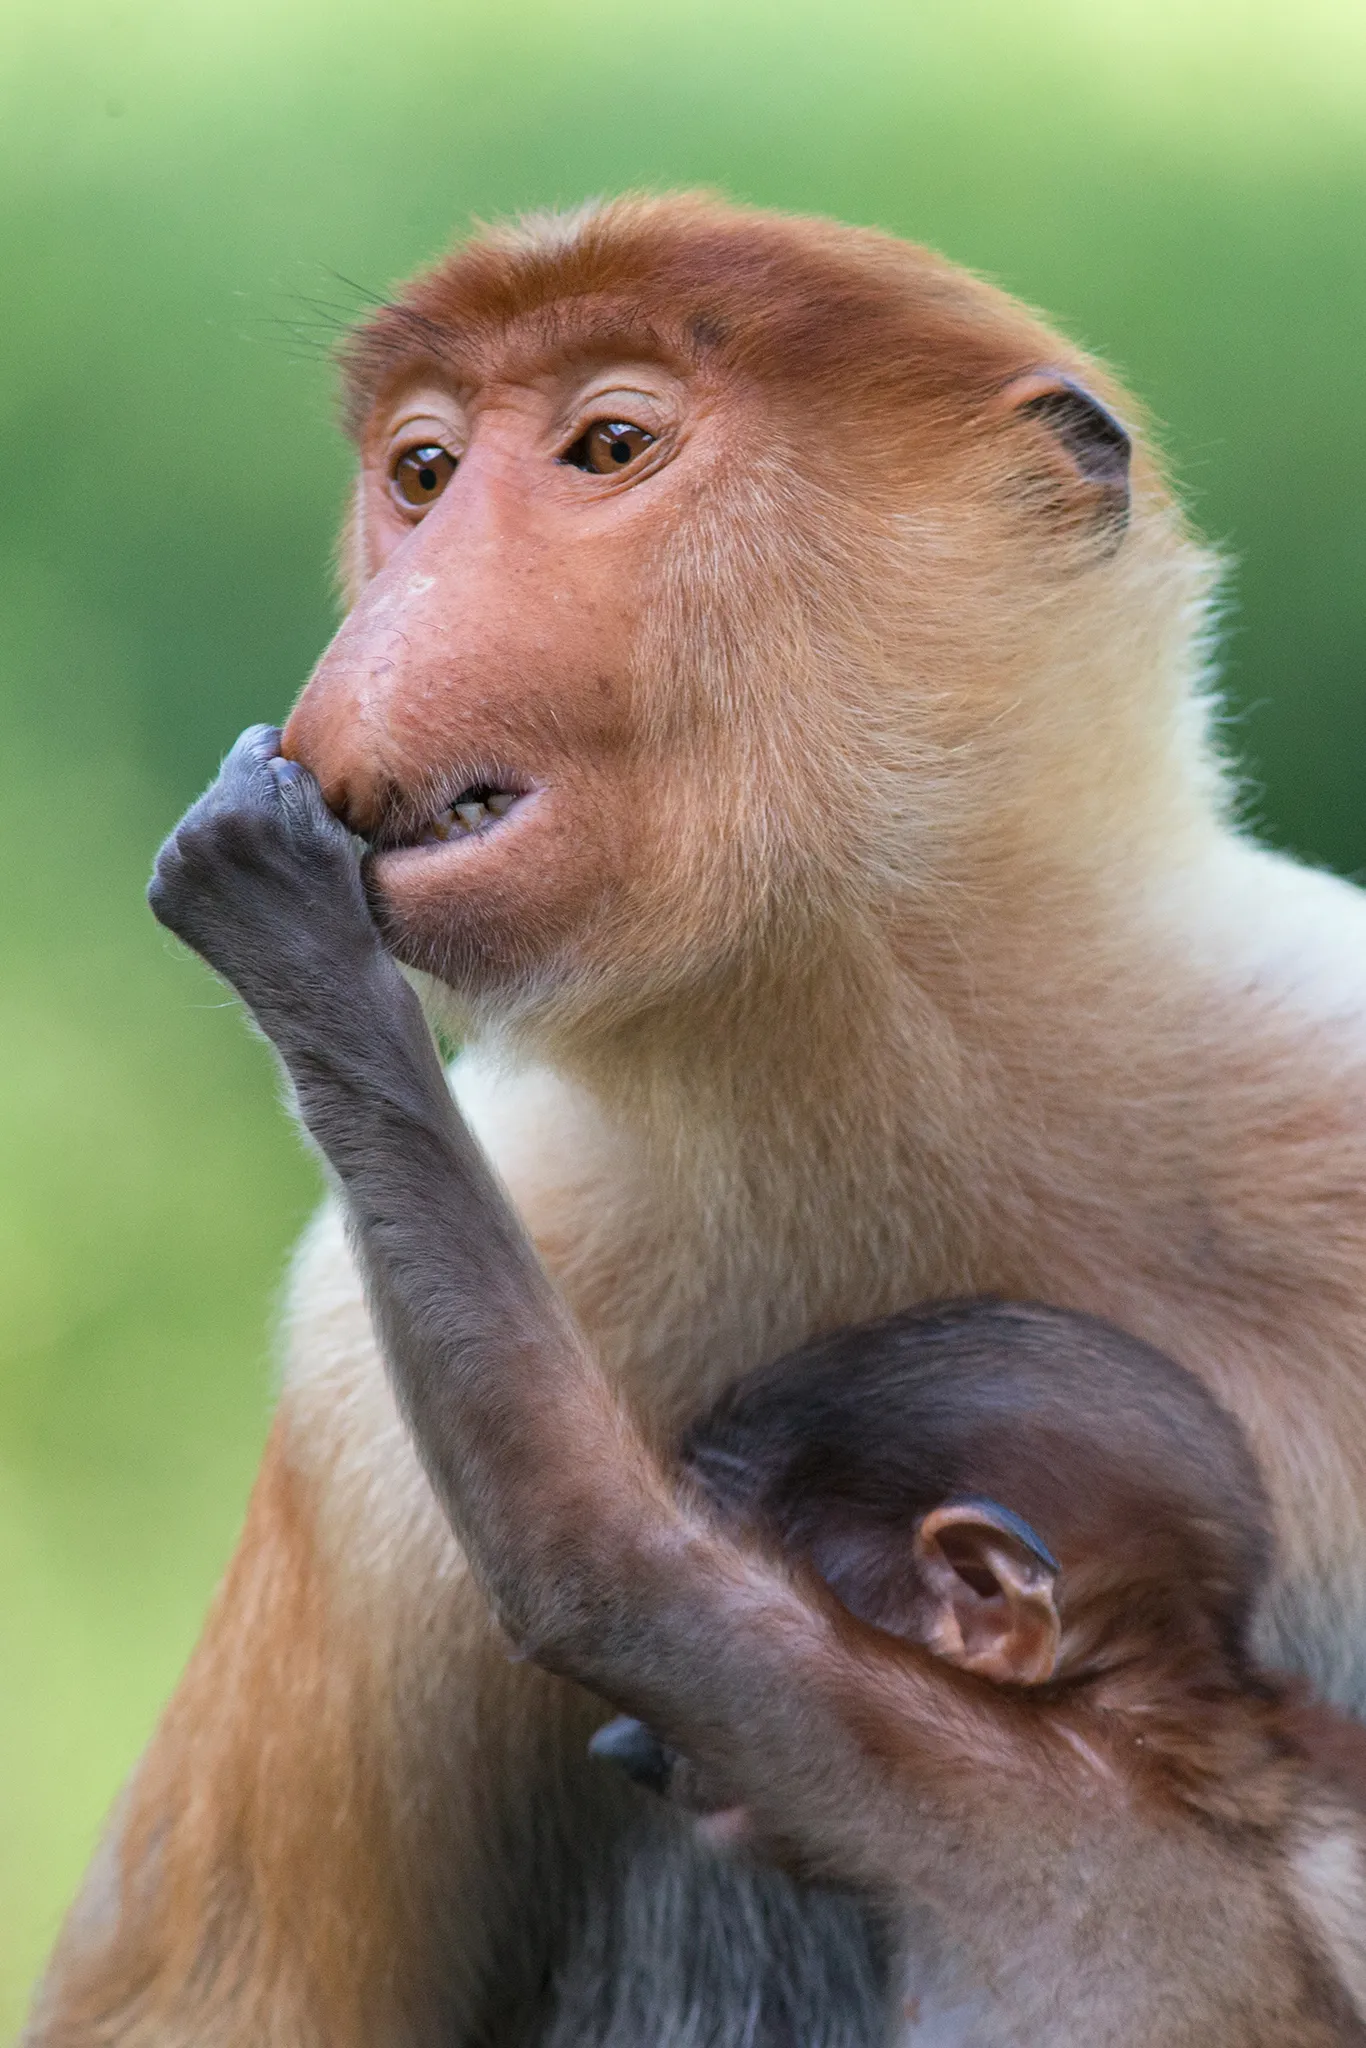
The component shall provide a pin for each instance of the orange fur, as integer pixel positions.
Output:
(267, 1961)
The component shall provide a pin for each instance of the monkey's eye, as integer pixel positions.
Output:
(608, 445)
(420, 475)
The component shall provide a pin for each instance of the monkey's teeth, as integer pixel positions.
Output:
(459, 820)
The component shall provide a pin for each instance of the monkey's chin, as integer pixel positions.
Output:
(496, 914)
(455, 932)
(443, 905)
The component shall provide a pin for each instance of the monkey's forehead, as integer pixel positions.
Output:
(789, 302)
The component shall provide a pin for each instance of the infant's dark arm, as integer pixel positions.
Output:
(589, 1554)
(265, 884)
(544, 1479)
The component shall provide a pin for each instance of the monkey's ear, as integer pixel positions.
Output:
(988, 1582)
(1095, 444)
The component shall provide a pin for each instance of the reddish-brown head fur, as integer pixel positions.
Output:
(737, 682)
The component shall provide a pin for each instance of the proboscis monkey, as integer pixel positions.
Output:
(1028, 1729)
(774, 693)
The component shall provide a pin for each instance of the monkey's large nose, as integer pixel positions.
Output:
(342, 728)
(321, 732)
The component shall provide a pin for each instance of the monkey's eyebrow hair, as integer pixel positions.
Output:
(395, 338)
(391, 338)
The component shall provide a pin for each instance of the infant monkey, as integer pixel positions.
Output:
(952, 1610)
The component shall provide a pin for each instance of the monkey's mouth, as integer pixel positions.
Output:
(477, 808)
(475, 811)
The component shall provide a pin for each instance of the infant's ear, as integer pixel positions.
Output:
(988, 1585)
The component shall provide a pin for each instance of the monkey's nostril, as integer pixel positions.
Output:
(339, 800)
(371, 807)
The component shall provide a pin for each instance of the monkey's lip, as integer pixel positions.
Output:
(479, 809)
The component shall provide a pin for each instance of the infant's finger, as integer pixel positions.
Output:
(302, 798)
(299, 791)
(251, 755)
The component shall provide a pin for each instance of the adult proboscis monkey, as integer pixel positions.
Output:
(774, 695)
(951, 1608)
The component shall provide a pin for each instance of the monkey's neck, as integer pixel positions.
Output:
(1006, 1104)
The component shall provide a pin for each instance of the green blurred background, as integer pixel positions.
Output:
(192, 197)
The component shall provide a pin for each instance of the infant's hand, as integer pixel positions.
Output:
(264, 882)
